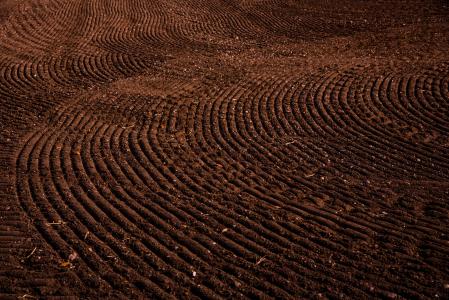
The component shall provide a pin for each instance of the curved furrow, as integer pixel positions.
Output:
(39, 29)
(11, 81)
(203, 255)
(352, 105)
(24, 82)
(24, 74)
(283, 117)
(129, 215)
(440, 90)
(200, 144)
(413, 86)
(58, 70)
(399, 100)
(27, 191)
(178, 147)
(66, 189)
(428, 93)
(224, 149)
(424, 150)
(394, 142)
(18, 30)
(226, 19)
(162, 205)
(321, 158)
(320, 117)
(115, 247)
(172, 176)
(281, 157)
(37, 32)
(73, 192)
(140, 160)
(93, 70)
(355, 124)
(150, 24)
(242, 241)
(96, 238)
(373, 138)
(162, 172)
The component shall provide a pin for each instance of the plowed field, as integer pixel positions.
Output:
(224, 149)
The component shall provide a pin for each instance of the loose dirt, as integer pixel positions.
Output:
(224, 149)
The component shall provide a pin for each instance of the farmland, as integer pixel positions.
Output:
(224, 149)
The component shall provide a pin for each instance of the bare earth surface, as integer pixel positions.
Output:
(224, 149)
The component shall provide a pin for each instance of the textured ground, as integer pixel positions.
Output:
(224, 149)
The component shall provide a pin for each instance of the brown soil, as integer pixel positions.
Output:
(224, 149)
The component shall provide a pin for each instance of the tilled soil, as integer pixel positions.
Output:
(224, 149)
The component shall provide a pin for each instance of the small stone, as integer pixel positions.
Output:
(73, 256)
(392, 295)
